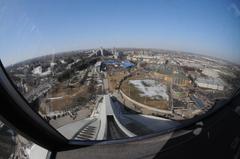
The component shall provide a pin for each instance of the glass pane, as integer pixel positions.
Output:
(107, 70)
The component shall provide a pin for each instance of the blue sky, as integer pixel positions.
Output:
(33, 28)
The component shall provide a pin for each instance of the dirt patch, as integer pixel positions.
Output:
(114, 79)
(63, 97)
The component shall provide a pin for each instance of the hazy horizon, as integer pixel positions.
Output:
(69, 51)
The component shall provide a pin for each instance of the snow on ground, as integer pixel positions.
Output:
(151, 88)
(53, 64)
(48, 72)
(62, 61)
(38, 71)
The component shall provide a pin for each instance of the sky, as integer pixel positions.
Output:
(31, 28)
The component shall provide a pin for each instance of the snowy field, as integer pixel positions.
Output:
(151, 88)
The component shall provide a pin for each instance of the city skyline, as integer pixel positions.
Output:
(31, 29)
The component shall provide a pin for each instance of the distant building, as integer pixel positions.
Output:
(98, 66)
(199, 103)
(114, 63)
(102, 52)
(118, 54)
(211, 83)
(126, 64)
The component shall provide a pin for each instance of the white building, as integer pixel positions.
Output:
(210, 83)
(98, 66)
(147, 58)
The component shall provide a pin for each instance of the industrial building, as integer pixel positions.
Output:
(124, 64)
(210, 83)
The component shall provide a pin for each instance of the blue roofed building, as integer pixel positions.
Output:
(126, 64)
